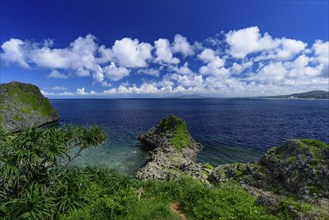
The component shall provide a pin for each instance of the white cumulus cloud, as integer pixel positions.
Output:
(13, 52)
(115, 73)
(181, 45)
(81, 91)
(164, 53)
(215, 64)
(321, 50)
(131, 53)
(207, 55)
(59, 88)
(56, 74)
(149, 71)
(249, 40)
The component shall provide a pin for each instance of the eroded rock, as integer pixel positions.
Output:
(173, 151)
(299, 168)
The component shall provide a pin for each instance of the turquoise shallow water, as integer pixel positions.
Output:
(231, 130)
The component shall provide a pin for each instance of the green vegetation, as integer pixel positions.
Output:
(37, 183)
(30, 96)
(315, 143)
(228, 201)
(18, 117)
(23, 104)
(112, 196)
(234, 171)
(315, 147)
(34, 184)
(294, 209)
(315, 189)
(291, 159)
(180, 137)
(208, 166)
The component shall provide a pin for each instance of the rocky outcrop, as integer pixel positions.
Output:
(298, 168)
(292, 180)
(22, 106)
(173, 152)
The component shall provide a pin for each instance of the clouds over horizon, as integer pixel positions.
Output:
(237, 63)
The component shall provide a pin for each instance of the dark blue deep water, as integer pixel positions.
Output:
(231, 130)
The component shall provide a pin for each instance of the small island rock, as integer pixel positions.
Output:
(173, 151)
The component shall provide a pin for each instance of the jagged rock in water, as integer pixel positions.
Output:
(22, 106)
(299, 168)
(173, 151)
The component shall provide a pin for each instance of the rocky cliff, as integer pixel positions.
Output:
(298, 168)
(22, 105)
(173, 151)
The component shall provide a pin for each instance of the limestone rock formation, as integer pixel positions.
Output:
(173, 151)
(22, 106)
(298, 168)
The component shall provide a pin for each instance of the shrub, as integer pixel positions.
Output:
(34, 180)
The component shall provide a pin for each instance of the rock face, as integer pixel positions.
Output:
(299, 168)
(22, 106)
(173, 151)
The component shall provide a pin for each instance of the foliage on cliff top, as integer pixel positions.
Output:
(178, 129)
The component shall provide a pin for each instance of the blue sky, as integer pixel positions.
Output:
(165, 48)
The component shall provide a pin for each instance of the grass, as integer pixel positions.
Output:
(315, 143)
(114, 196)
(32, 98)
(208, 166)
(2, 120)
(18, 117)
(180, 138)
(233, 171)
(315, 189)
(177, 127)
(289, 209)
(315, 147)
(228, 201)
(108, 195)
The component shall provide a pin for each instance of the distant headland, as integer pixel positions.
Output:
(315, 94)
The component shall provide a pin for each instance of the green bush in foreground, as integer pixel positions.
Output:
(34, 180)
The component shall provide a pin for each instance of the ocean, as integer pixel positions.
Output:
(231, 130)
